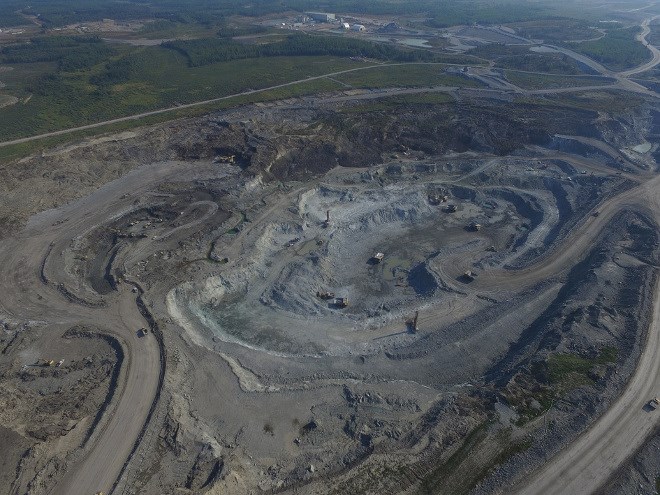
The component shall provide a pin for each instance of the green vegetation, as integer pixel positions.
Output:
(532, 394)
(21, 150)
(550, 81)
(53, 13)
(391, 102)
(453, 13)
(617, 50)
(557, 30)
(9, 18)
(70, 52)
(555, 63)
(458, 475)
(654, 36)
(207, 51)
(141, 80)
(70, 81)
(437, 477)
(407, 75)
(608, 101)
(568, 371)
(521, 58)
(167, 29)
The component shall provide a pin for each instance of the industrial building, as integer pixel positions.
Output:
(321, 16)
(358, 27)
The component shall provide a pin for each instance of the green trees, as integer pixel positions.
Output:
(204, 52)
(70, 52)
(618, 49)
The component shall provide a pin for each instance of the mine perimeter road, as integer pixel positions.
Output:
(641, 37)
(585, 465)
(101, 467)
(27, 297)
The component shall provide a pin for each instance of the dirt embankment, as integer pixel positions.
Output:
(285, 144)
(50, 410)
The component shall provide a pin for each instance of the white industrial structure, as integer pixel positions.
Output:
(358, 27)
(321, 16)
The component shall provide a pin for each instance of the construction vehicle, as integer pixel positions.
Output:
(474, 227)
(434, 199)
(143, 332)
(654, 403)
(225, 158)
(341, 302)
(411, 324)
(325, 294)
(469, 276)
(378, 257)
(451, 209)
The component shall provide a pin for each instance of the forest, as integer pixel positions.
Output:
(204, 52)
(70, 52)
(54, 13)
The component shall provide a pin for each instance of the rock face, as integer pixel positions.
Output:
(206, 470)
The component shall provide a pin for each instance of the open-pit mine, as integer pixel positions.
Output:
(338, 294)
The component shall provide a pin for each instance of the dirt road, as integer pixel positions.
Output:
(27, 297)
(101, 466)
(578, 470)
(655, 60)
(586, 464)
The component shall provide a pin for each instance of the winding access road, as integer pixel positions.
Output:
(579, 469)
(585, 465)
(31, 268)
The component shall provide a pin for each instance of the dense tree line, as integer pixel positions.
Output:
(54, 13)
(9, 18)
(70, 52)
(204, 52)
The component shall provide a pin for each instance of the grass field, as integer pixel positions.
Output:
(558, 30)
(551, 81)
(413, 76)
(602, 100)
(617, 50)
(161, 79)
(391, 102)
(14, 151)
(521, 58)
